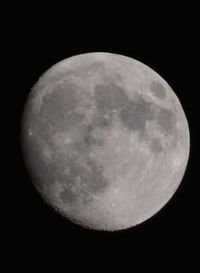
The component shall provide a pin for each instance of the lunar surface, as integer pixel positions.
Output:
(105, 140)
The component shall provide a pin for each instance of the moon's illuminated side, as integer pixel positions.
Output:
(105, 140)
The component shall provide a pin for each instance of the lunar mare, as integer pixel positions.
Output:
(105, 140)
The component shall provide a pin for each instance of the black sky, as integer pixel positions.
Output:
(167, 43)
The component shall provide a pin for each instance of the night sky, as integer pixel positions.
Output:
(35, 234)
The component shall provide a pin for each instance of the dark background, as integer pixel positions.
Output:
(164, 39)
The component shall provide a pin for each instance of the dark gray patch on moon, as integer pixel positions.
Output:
(102, 119)
(166, 120)
(63, 95)
(156, 146)
(87, 179)
(110, 96)
(93, 179)
(157, 89)
(58, 109)
(87, 140)
(135, 114)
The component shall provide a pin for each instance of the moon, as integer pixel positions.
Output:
(105, 140)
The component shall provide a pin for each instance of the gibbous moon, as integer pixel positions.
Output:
(105, 140)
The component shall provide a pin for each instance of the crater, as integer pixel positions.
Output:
(158, 89)
(135, 114)
(68, 196)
